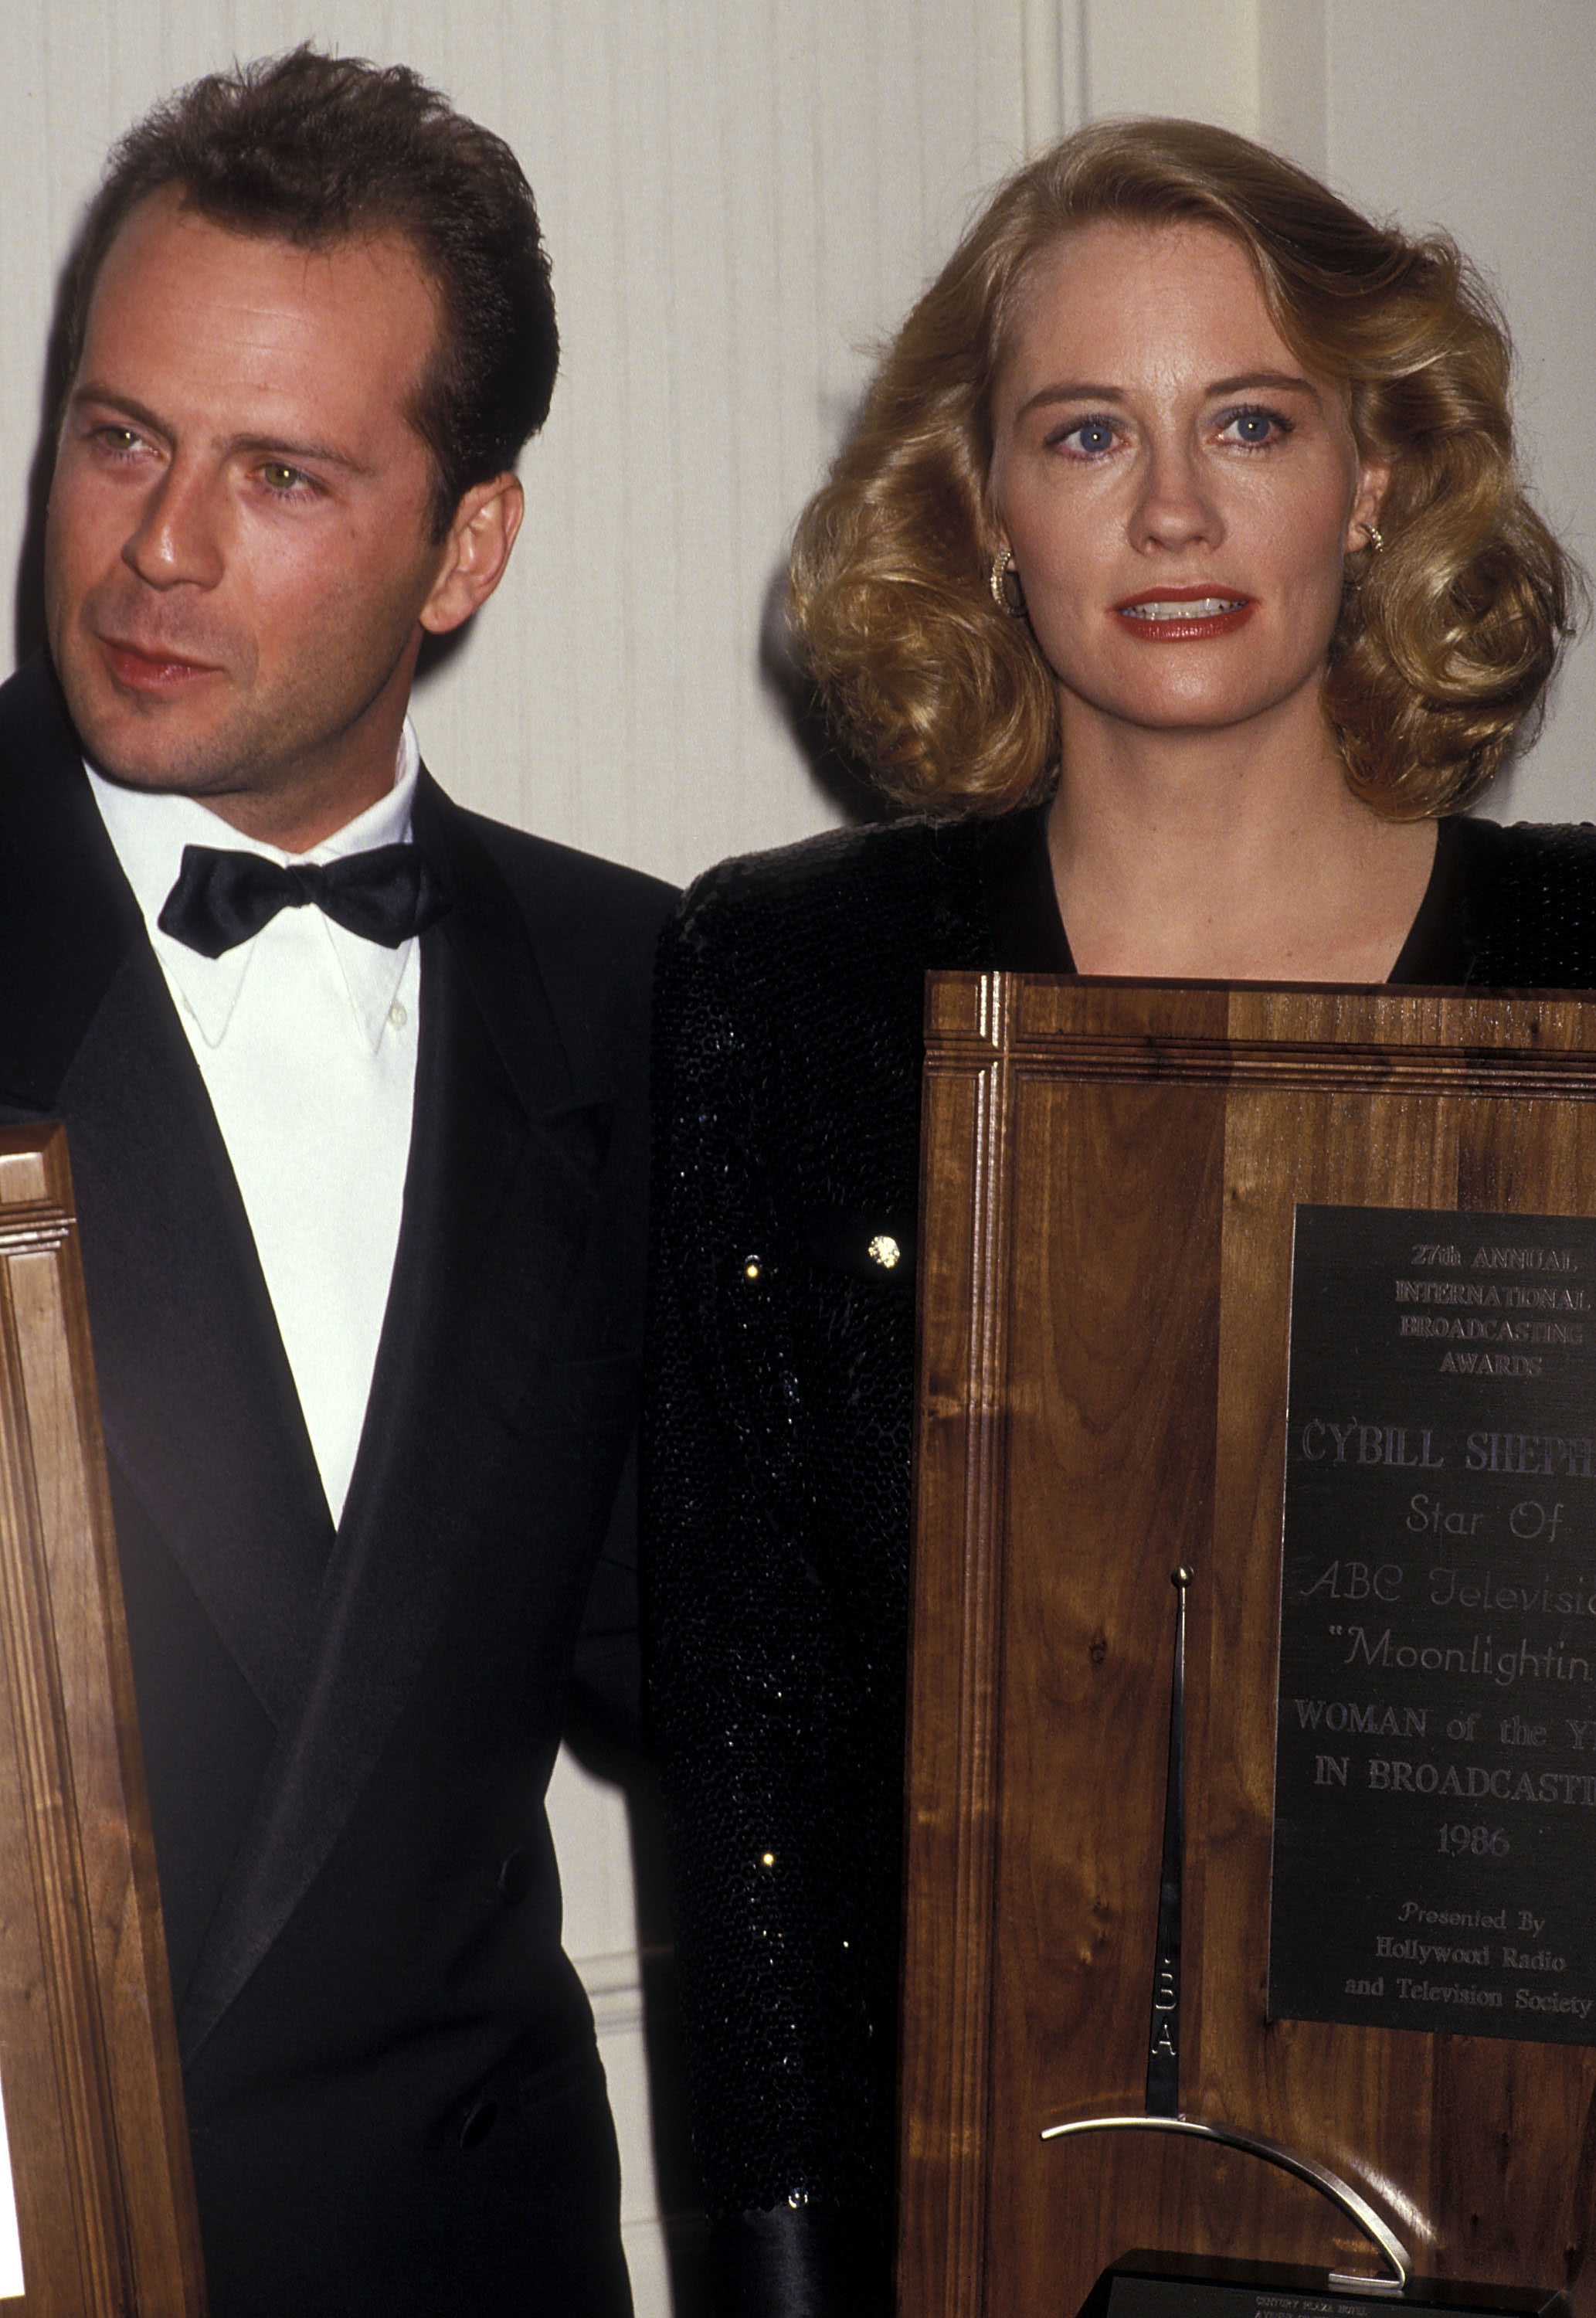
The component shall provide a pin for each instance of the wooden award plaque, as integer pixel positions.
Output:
(1121, 1182)
(99, 2155)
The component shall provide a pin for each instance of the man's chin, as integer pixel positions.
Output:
(161, 761)
(163, 780)
(149, 745)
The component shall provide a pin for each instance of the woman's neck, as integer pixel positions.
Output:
(1237, 855)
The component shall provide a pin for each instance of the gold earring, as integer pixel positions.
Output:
(1375, 537)
(1004, 581)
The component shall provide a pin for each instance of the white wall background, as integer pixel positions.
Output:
(740, 196)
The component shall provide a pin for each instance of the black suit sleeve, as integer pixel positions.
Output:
(605, 1708)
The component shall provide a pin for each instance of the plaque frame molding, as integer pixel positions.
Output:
(88, 2049)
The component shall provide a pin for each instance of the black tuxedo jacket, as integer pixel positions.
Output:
(394, 2096)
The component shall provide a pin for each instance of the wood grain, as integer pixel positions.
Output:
(88, 2056)
(1129, 1177)
(952, 1711)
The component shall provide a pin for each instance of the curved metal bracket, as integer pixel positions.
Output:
(1330, 2185)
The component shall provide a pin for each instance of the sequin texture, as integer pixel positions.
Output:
(788, 1083)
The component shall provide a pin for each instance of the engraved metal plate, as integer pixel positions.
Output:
(1435, 1769)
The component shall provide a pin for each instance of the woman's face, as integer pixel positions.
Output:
(1177, 493)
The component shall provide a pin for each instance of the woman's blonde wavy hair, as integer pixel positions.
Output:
(1447, 640)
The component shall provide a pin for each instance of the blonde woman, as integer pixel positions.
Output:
(1179, 578)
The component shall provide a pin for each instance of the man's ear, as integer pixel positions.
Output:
(482, 533)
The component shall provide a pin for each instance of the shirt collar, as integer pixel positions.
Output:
(149, 827)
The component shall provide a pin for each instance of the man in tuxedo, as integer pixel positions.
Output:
(354, 1083)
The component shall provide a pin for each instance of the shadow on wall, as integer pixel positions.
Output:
(839, 778)
(28, 603)
(681, 2196)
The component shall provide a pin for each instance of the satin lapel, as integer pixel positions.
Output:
(67, 919)
(199, 1404)
(505, 1157)
(199, 1407)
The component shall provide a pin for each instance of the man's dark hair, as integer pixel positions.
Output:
(314, 149)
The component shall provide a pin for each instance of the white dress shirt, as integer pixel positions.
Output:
(305, 1038)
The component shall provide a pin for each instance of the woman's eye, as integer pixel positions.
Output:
(1092, 437)
(1254, 428)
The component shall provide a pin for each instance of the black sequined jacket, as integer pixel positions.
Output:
(788, 1034)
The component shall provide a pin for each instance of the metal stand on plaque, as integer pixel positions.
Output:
(1162, 2112)
(1281, 1291)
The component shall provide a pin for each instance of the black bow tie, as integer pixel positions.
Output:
(222, 898)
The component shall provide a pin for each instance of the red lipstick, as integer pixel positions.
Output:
(1183, 615)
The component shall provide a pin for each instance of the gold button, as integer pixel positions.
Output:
(752, 1267)
(885, 1251)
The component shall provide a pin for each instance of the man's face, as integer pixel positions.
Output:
(238, 566)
